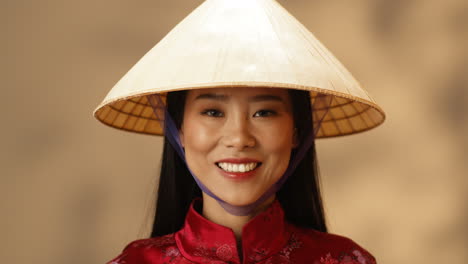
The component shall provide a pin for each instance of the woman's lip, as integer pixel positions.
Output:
(238, 160)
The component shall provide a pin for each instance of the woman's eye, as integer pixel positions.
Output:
(264, 113)
(212, 112)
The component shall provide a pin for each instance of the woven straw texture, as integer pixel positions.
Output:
(240, 43)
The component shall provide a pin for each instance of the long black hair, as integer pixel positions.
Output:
(300, 196)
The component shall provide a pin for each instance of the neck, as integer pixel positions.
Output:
(214, 212)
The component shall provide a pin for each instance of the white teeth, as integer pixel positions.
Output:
(243, 167)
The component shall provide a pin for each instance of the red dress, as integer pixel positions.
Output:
(266, 239)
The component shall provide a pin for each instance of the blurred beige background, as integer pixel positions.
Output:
(76, 191)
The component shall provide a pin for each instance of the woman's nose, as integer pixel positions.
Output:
(237, 134)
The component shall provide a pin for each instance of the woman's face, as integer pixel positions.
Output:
(238, 141)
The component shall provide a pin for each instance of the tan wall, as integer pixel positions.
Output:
(75, 191)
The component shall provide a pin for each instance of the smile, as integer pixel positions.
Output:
(238, 167)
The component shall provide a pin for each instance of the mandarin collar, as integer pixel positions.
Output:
(203, 241)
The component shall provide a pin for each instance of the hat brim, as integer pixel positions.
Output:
(345, 115)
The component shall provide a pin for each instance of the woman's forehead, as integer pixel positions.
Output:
(239, 91)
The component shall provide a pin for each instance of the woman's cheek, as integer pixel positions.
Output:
(199, 138)
(279, 138)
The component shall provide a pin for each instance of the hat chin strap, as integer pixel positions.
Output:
(172, 134)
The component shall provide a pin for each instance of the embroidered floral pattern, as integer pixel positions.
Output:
(357, 257)
(277, 259)
(224, 252)
(259, 254)
(165, 244)
(155, 242)
(284, 256)
(293, 243)
(171, 253)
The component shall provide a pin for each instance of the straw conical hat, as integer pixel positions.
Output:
(239, 43)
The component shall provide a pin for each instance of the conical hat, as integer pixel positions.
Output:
(240, 43)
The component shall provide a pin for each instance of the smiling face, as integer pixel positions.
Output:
(238, 141)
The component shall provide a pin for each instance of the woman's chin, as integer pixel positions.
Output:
(237, 202)
(237, 199)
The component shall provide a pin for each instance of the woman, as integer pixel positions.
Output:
(238, 182)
